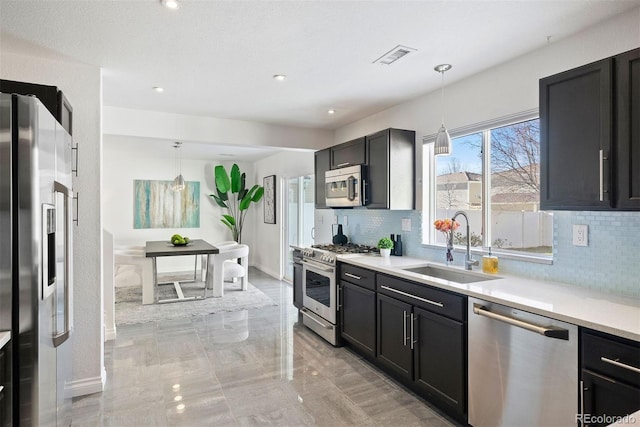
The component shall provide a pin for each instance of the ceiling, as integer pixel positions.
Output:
(217, 58)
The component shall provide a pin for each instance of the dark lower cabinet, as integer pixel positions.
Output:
(414, 332)
(610, 378)
(395, 350)
(440, 369)
(358, 317)
(605, 399)
(422, 340)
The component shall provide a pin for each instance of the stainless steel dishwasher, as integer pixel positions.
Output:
(523, 368)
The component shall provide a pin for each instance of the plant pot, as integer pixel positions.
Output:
(385, 253)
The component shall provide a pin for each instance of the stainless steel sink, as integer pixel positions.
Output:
(448, 274)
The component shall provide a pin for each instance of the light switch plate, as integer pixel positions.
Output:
(406, 224)
(580, 235)
(345, 220)
(335, 219)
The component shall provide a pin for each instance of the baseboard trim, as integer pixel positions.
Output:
(89, 385)
(266, 271)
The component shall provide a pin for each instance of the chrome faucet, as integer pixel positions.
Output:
(468, 261)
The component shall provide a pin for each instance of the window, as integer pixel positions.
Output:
(493, 176)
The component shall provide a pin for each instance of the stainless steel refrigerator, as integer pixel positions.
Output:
(36, 270)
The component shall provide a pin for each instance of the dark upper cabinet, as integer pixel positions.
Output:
(389, 157)
(575, 138)
(390, 162)
(627, 72)
(322, 164)
(348, 154)
(589, 136)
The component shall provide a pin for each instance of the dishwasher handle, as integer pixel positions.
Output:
(547, 331)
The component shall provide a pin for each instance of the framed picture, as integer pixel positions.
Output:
(269, 184)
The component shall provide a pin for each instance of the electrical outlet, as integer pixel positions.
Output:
(335, 219)
(580, 235)
(345, 221)
(406, 224)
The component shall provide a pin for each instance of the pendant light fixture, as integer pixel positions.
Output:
(178, 181)
(443, 140)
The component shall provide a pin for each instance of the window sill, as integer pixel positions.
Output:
(537, 259)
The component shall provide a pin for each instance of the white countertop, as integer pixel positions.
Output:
(604, 312)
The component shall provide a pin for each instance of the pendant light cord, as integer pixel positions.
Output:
(442, 95)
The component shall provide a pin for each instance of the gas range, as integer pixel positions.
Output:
(327, 254)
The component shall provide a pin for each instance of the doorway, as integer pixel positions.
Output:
(298, 229)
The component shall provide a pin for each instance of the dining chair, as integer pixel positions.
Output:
(224, 265)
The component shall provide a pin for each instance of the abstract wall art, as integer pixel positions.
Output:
(269, 184)
(156, 205)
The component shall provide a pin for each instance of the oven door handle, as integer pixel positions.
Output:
(304, 311)
(313, 265)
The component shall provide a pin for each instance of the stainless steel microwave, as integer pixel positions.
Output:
(344, 187)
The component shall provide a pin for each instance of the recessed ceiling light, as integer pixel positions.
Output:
(332, 111)
(280, 77)
(158, 89)
(171, 4)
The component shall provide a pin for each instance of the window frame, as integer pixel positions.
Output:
(429, 195)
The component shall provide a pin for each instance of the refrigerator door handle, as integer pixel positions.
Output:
(67, 194)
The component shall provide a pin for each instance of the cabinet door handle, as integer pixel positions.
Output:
(620, 364)
(365, 198)
(343, 164)
(338, 298)
(404, 327)
(438, 304)
(412, 341)
(581, 402)
(602, 158)
(353, 276)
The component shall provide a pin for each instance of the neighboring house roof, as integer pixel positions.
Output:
(458, 177)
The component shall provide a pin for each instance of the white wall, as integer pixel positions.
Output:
(124, 163)
(267, 247)
(82, 85)
(503, 90)
(180, 127)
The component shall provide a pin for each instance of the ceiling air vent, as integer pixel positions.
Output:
(393, 55)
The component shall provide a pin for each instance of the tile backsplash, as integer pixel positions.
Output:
(610, 263)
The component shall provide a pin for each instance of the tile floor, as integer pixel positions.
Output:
(243, 368)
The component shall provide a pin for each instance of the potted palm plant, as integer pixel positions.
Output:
(385, 245)
(232, 194)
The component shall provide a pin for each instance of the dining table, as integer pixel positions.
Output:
(163, 248)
